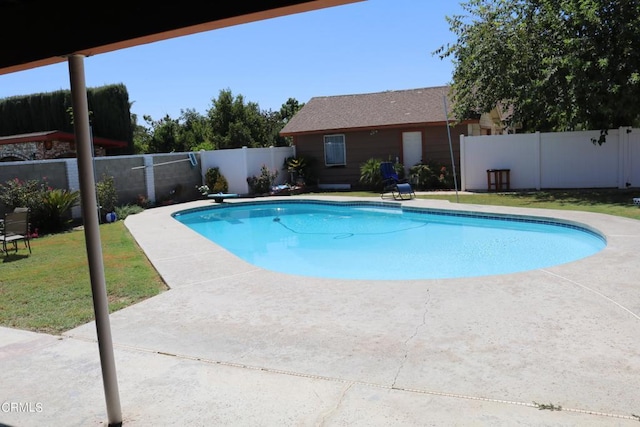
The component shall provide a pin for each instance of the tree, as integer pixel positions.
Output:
(141, 136)
(289, 109)
(229, 123)
(233, 123)
(558, 64)
(164, 135)
(194, 133)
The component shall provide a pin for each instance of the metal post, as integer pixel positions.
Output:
(92, 237)
(453, 162)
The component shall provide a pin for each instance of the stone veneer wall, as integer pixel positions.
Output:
(37, 151)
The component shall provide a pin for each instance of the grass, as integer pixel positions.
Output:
(605, 201)
(50, 290)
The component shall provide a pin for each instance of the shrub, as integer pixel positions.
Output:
(142, 201)
(216, 182)
(50, 208)
(428, 176)
(124, 211)
(106, 194)
(299, 169)
(221, 185)
(17, 193)
(54, 212)
(371, 176)
(263, 183)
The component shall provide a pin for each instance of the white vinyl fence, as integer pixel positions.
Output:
(553, 160)
(239, 164)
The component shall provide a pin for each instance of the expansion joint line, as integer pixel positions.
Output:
(406, 342)
(601, 295)
(351, 383)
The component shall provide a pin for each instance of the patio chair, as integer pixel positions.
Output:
(391, 183)
(15, 228)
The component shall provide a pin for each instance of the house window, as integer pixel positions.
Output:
(335, 153)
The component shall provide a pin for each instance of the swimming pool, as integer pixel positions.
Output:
(385, 241)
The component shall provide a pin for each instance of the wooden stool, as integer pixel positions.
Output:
(498, 179)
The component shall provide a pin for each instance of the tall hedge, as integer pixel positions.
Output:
(109, 110)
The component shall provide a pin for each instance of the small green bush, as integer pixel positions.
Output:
(50, 208)
(371, 176)
(431, 176)
(262, 184)
(300, 170)
(17, 193)
(216, 182)
(54, 212)
(124, 211)
(107, 194)
(143, 201)
(221, 185)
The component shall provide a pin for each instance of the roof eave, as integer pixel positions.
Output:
(157, 24)
(377, 127)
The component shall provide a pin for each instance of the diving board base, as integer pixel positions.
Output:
(219, 197)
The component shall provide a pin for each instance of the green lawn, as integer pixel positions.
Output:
(50, 291)
(607, 201)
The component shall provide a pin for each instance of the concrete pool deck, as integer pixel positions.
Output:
(233, 344)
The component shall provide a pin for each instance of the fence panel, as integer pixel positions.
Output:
(238, 164)
(632, 176)
(519, 153)
(554, 159)
(272, 158)
(574, 161)
(232, 166)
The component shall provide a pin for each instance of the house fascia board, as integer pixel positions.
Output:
(371, 127)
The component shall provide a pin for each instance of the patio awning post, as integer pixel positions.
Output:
(92, 236)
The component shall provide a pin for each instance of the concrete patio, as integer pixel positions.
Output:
(232, 344)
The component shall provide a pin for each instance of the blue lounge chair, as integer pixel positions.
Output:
(391, 183)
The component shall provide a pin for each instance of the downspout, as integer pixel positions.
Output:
(92, 236)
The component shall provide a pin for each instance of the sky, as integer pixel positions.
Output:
(364, 47)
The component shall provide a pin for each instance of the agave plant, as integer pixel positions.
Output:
(53, 214)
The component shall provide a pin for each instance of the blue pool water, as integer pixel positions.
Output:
(383, 241)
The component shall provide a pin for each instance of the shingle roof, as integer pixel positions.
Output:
(394, 107)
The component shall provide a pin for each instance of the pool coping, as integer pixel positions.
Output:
(233, 344)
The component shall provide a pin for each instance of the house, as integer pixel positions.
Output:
(408, 126)
(49, 145)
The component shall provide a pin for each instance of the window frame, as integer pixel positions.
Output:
(344, 149)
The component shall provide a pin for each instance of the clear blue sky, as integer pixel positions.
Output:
(370, 46)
